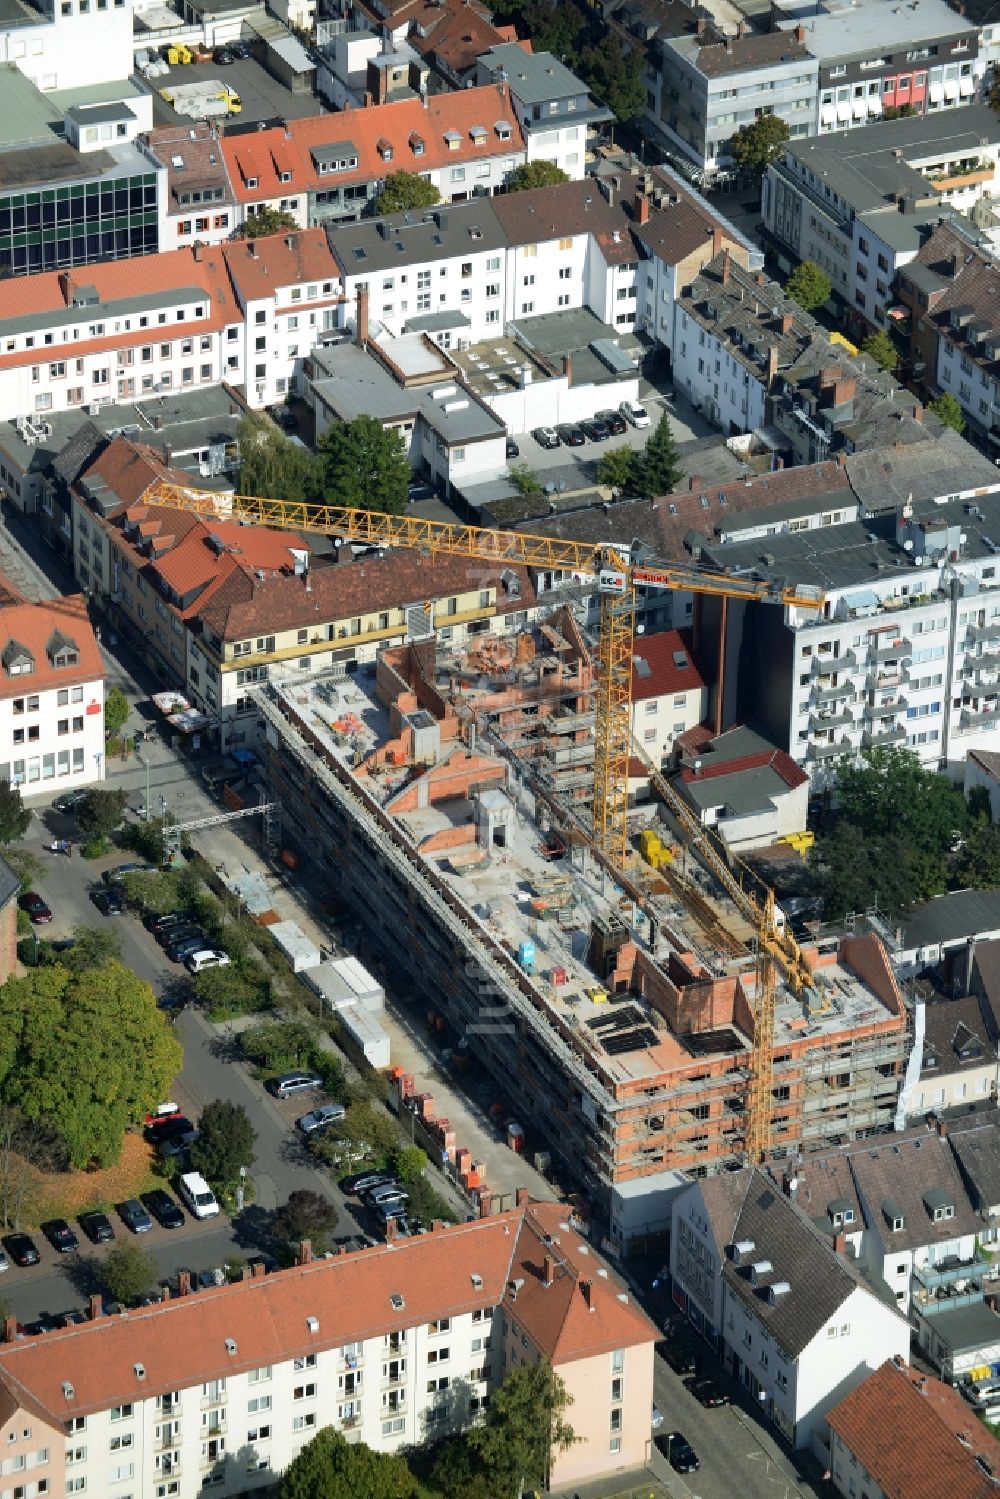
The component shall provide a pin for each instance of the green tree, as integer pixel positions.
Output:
(370, 1127)
(405, 190)
(755, 146)
(524, 1425)
(856, 872)
(535, 174)
(306, 1215)
(615, 77)
(553, 27)
(880, 347)
(239, 988)
(890, 793)
(809, 285)
(620, 468)
(14, 815)
(268, 221)
(947, 410)
(979, 805)
(279, 1045)
(116, 711)
(660, 470)
(126, 1272)
(93, 947)
(363, 465)
(976, 865)
(410, 1162)
(330, 1467)
(100, 813)
(271, 464)
(88, 1051)
(524, 479)
(226, 1142)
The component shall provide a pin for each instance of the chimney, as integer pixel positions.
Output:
(246, 1273)
(95, 1308)
(548, 1270)
(787, 322)
(165, 1292)
(729, 44)
(799, 33)
(844, 389)
(699, 26)
(305, 1251)
(391, 1230)
(716, 240)
(157, 422)
(841, 459)
(196, 249)
(10, 1328)
(587, 1288)
(522, 1197)
(66, 287)
(184, 1282)
(361, 323)
(641, 208)
(694, 482)
(258, 1270)
(772, 363)
(437, 1225)
(368, 101)
(918, 412)
(840, 1244)
(252, 248)
(568, 369)
(942, 1128)
(725, 266)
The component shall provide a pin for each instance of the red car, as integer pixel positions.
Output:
(35, 907)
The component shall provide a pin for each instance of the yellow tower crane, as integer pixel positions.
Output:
(618, 577)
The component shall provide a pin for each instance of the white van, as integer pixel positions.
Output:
(197, 1195)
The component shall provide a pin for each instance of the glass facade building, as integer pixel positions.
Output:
(49, 228)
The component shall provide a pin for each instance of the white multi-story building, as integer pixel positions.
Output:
(69, 44)
(554, 110)
(390, 1346)
(51, 697)
(793, 1319)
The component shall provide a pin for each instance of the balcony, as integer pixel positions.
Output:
(971, 720)
(988, 661)
(823, 666)
(873, 737)
(979, 633)
(837, 718)
(951, 1271)
(887, 681)
(885, 710)
(893, 650)
(831, 694)
(826, 751)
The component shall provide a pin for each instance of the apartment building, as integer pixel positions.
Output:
(904, 651)
(392, 1345)
(712, 84)
(555, 112)
(70, 45)
(669, 694)
(791, 1317)
(872, 58)
(198, 202)
(861, 204)
(949, 247)
(966, 328)
(329, 168)
(51, 696)
(959, 1061)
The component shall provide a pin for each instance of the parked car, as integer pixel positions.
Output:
(707, 1393)
(135, 1217)
(283, 415)
(222, 57)
(364, 1181)
(179, 932)
(634, 413)
(546, 437)
(571, 436)
(513, 451)
(327, 1113)
(613, 420)
(656, 1419)
(240, 49)
(60, 1235)
(290, 1083)
(382, 1197)
(595, 429)
(178, 951)
(163, 1208)
(176, 1145)
(419, 490)
(678, 1451)
(4, 1262)
(98, 1227)
(110, 902)
(681, 1357)
(69, 801)
(167, 1119)
(22, 1249)
(206, 957)
(162, 924)
(116, 875)
(36, 908)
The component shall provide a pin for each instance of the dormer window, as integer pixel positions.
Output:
(284, 176)
(477, 134)
(417, 144)
(17, 659)
(502, 130)
(61, 650)
(452, 139)
(384, 148)
(253, 181)
(939, 1205)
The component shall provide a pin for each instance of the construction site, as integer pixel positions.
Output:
(445, 796)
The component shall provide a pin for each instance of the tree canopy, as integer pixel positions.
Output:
(363, 465)
(535, 174)
(226, 1142)
(268, 220)
(306, 1215)
(405, 190)
(100, 813)
(330, 1467)
(620, 468)
(880, 347)
(615, 76)
(659, 468)
(809, 285)
(87, 1051)
(524, 1425)
(14, 815)
(126, 1272)
(116, 711)
(947, 410)
(755, 146)
(271, 464)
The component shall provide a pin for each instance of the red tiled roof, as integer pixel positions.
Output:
(252, 156)
(780, 762)
(259, 267)
(917, 1437)
(457, 36)
(196, 147)
(183, 1342)
(569, 208)
(671, 665)
(33, 626)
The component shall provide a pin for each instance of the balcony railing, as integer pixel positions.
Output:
(983, 632)
(822, 666)
(885, 710)
(827, 751)
(893, 650)
(873, 737)
(838, 719)
(831, 694)
(950, 1272)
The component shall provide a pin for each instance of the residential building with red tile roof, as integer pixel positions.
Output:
(200, 203)
(51, 696)
(748, 789)
(357, 1342)
(908, 1436)
(329, 167)
(669, 693)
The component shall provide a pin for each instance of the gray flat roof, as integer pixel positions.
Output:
(965, 1329)
(952, 918)
(437, 322)
(100, 114)
(25, 114)
(567, 332)
(46, 165)
(354, 383)
(534, 77)
(852, 28)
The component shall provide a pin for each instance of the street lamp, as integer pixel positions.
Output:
(144, 762)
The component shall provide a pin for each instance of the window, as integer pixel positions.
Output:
(121, 1412)
(304, 1392)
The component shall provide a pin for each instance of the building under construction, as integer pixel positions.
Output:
(442, 797)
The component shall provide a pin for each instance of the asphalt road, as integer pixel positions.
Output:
(262, 96)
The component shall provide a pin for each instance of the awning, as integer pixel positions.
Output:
(827, 115)
(843, 110)
(951, 88)
(935, 93)
(858, 108)
(874, 104)
(966, 87)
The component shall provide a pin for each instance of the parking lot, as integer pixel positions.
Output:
(262, 96)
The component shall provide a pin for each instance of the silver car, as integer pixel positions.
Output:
(327, 1113)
